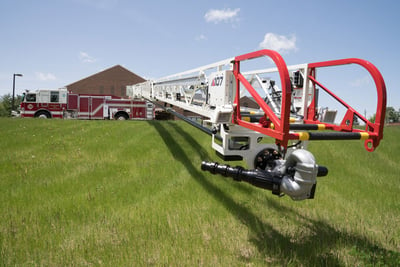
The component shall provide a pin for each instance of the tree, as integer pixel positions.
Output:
(6, 103)
(372, 118)
(392, 115)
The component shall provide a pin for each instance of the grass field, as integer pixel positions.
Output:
(111, 193)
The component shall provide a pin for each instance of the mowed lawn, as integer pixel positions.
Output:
(131, 193)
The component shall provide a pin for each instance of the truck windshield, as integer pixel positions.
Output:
(30, 98)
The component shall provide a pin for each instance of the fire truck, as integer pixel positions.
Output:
(63, 104)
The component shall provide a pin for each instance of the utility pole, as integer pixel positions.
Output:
(13, 95)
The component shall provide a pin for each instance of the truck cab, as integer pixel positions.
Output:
(39, 103)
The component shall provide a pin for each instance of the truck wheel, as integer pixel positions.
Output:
(42, 115)
(121, 117)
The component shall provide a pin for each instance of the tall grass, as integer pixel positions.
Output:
(132, 194)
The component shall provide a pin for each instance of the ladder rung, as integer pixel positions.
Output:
(333, 136)
(307, 127)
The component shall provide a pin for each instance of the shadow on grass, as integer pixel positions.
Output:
(319, 246)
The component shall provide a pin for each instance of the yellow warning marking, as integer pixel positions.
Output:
(364, 136)
(321, 127)
(303, 136)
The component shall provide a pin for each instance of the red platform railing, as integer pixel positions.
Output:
(280, 131)
(279, 127)
(373, 132)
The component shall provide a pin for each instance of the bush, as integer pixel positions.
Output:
(6, 103)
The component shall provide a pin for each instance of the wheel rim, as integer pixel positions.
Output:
(42, 116)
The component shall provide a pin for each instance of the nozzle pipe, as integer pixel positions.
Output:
(297, 178)
(259, 178)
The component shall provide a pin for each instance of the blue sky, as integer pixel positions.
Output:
(56, 42)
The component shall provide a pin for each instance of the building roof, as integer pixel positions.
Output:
(110, 81)
(248, 102)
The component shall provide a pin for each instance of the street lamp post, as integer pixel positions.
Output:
(13, 96)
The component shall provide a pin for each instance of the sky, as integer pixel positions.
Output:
(54, 43)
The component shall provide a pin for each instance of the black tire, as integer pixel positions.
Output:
(42, 115)
(121, 117)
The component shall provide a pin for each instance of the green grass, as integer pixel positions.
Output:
(132, 193)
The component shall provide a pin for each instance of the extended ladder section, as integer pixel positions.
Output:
(207, 91)
(242, 105)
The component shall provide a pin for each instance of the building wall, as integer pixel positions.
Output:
(112, 81)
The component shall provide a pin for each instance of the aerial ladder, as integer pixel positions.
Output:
(287, 113)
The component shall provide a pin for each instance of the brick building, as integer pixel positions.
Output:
(112, 81)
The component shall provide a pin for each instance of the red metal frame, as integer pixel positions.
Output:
(374, 129)
(278, 128)
(280, 131)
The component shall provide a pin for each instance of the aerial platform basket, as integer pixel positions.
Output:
(281, 126)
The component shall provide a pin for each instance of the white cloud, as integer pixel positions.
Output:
(85, 58)
(221, 15)
(201, 37)
(363, 81)
(45, 76)
(279, 43)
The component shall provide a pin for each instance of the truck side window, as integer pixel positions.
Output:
(54, 97)
(31, 98)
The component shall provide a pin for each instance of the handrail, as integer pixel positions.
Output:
(374, 129)
(278, 127)
(280, 131)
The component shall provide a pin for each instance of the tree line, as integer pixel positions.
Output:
(392, 115)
